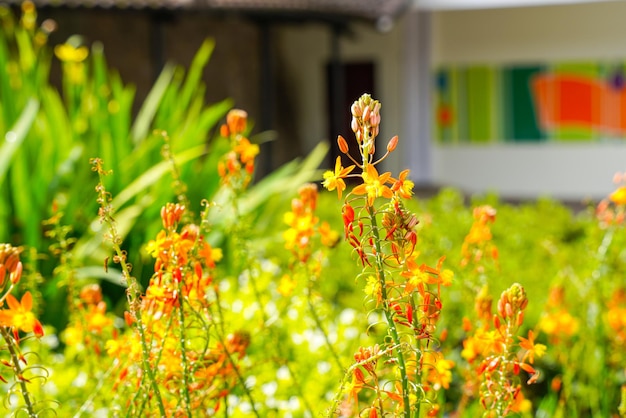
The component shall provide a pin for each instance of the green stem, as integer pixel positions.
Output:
(380, 268)
(321, 328)
(344, 381)
(17, 369)
(600, 333)
(294, 379)
(183, 351)
(242, 382)
(133, 293)
(95, 392)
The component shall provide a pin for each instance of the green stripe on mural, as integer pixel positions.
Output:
(480, 103)
(457, 87)
(520, 115)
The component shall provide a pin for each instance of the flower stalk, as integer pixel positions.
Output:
(133, 291)
(405, 289)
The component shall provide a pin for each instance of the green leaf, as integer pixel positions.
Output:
(151, 104)
(286, 179)
(97, 272)
(194, 77)
(153, 174)
(14, 138)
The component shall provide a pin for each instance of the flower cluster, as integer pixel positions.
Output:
(399, 283)
(91, 325)
(304, 225)
(19, 315)
(556, 321)
(616, 315)
(612, 210)
(478, 247)
(194, 365)
(237, 166)
(498, 358)
(17, 318)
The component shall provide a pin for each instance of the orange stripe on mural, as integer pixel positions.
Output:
(578, 101)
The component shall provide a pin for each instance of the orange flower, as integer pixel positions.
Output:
(19, 315)
(247, 151)
(236, 121)
(403, 186)
(374, 185)
(334, 180)
(532, 348)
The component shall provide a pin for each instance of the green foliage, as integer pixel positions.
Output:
(49, 136)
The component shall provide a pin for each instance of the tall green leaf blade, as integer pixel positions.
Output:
(194, 76)
(15, 136)
(151, 104)
(153, 174)
(7, 95)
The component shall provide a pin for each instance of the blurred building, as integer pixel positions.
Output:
(520, 97)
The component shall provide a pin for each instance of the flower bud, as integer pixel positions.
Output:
(129, 319)
(512, 301)
(91, 294)
(236, 120)
(17, 273)
(354, 125)
(393, 143)
(367, 114)
(343, 145)
(375, 119)
(376, 109)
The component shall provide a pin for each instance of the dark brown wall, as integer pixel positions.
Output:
(137, 42)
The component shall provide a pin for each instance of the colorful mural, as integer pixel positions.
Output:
(566, 101)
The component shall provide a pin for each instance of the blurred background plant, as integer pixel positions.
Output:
(48, 136)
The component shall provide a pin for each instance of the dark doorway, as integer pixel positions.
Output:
(346, 82)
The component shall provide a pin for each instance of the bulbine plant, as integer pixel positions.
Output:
(178, 356)
(18, 323)
(403, 373)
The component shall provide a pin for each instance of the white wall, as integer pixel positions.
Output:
(534, 34)
(306, 49)
(594, 31)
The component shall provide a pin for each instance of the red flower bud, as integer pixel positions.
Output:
(343, 145)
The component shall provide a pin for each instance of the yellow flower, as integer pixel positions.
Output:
(286, 285)
(372, 288)
(334, 180)
(559, 323)
(374, 185)
(247, 151)
(70, 53)
(471, 349)
(328, 236)
(446, 277)
(438, 369)
(619, 196)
